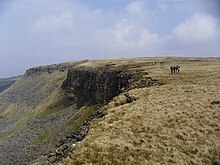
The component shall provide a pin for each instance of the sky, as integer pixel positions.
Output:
(40, 32)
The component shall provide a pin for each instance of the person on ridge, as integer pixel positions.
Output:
(171, 69)
(177, 69)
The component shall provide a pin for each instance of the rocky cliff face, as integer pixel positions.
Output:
(46, 69)
(52, 68)
(95, 86)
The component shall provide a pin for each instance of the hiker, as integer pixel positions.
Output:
(177, 69)
(171, 69)
(174, 69)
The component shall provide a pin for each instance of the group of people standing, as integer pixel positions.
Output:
(175, 69)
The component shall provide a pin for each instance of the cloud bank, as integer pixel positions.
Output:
(54, 23)
(128, 31)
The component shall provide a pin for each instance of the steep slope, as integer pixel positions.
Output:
(20, 106)
(177, 122)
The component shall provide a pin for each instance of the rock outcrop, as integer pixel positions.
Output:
(95, 86)
(52, 68)
(46, 69)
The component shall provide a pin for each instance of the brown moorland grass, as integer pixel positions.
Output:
(175, 123)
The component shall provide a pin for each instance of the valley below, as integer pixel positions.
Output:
(7, 82)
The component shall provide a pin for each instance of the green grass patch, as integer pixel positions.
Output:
(42, 138)
(80, 116)
(56, 102)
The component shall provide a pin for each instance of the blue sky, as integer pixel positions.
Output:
(39, 32)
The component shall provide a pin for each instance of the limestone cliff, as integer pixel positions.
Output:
(95, 86)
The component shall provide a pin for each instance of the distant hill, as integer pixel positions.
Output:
(7, 82)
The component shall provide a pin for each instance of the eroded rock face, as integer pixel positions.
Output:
(52, 68)
(91, 86)
(46, 69)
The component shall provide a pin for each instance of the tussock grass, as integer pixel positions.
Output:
(173, 123)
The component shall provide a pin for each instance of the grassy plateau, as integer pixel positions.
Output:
(174, 122)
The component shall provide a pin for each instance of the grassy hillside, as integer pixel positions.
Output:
(27, 93)
(176, 122)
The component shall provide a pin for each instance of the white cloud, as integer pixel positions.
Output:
(54, 23)
(149, 39)
(198, 28)
(126, 37)
(136, 7)
(197, 35)
(117, 37)
(122, 31)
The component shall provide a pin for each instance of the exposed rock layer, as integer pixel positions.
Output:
(91, 86)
